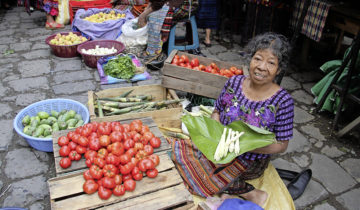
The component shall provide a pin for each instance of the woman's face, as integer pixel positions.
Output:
(264, 67)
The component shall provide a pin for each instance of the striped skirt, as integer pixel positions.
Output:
(203, 178)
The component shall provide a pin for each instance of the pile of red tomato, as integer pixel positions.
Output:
(184, 61)
(117, 155)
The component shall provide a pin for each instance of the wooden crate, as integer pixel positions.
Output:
(169, 117)
(193, 81)
(80, 165)
(166, 191)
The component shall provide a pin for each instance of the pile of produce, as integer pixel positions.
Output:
(120, 67)
(44, 124)
(123, 104)
(99, 51)
(184, 61)
(117, 155)
(70, 39)
(101, 17)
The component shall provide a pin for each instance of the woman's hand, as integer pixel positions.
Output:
(215, 115)
(275, 148)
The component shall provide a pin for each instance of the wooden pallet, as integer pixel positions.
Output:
(166, 191)
(78, 165)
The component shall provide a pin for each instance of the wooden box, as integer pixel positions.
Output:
(193, 81)
(169, 117)
(166, 191)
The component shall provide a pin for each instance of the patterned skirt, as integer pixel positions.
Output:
(203, 178)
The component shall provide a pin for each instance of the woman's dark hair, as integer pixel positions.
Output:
(277, 43)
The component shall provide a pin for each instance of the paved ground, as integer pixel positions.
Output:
(32, 74)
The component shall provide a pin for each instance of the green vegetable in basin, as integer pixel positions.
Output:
(121, 67)
(206, 134)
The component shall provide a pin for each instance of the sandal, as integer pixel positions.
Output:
(53, 26)
(206, 44)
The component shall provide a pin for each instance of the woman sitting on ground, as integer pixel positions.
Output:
(161, 15)
(257, 100)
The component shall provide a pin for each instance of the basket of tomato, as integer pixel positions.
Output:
(116, 155)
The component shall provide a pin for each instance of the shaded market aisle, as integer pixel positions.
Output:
(31, 73)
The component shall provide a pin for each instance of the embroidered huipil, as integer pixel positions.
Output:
(274, 114)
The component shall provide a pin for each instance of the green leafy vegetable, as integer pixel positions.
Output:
(121, 67)
(206, 133)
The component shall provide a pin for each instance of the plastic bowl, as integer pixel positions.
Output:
(91, 60)
(46, 144)
(64, 51)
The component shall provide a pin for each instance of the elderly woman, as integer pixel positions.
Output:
(257, 100)
(161, 15)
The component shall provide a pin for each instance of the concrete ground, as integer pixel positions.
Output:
(31, 73)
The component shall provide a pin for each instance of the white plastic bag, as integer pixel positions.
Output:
(63, 16)
(131, 36)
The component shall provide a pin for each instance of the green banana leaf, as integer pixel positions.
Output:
(206, 133)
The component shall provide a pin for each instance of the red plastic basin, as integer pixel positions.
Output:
(64, 51)
(91, 60)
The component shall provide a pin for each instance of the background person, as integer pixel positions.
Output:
(256, 100)
(207, 18)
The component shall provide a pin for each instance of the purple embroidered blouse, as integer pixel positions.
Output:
(275, 114)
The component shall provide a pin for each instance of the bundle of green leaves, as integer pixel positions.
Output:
(121, 67)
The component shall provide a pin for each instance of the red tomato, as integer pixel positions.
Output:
(78, 130)
(202, 67)
(213, 65)
(175, 61)
(96, 172)
(118, 179)
(239, 72)
(102, 153)
(148, 149)
(99, 162)
(104, 193)
(95, 125)
(155, 142)
(75, 138)
(183, 65)
(154, 158)
(86, 131)
(80, 149)
(185, 58)
(112, 159)
(141, 154)
(116, 136)
(138, 146)
(110, 170)
(72, 145)
(118, 128)
(70, 135)
(181, 61)
(131, 152)
(177, 56)
(129, 144)
(137, 137)
(113, 125)
(83, 141)
(152, 173)
(137, 177)
(130, 185)
(135, 126)
(208, 69)
(90, 186)
(94, 144)
(63, 140)
(89, 162)
(126, 127)
(127, 177)
(104, 140)
(134, 161)
(65, 162)
(147, 136)
(194, 62)
(87, 175)
(104, 129)
(64, 151)
(117, 148)
(125, 169)
(73, 155)
(144, 128)
(108, 182)
(119, 190)
(146, 164)
(125, 158)
(90, 153)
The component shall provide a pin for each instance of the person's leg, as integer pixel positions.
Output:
(207, 35)
(256, 196)
(51, 24)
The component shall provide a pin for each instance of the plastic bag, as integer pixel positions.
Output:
(131, 36)
(110, 29)
(63, 16)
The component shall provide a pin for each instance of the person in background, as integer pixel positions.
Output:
(135, 6)
(257, 100)
(207, 18)
(51, 9)
(161, 15)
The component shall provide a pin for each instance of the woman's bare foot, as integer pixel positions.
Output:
(256, 196)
